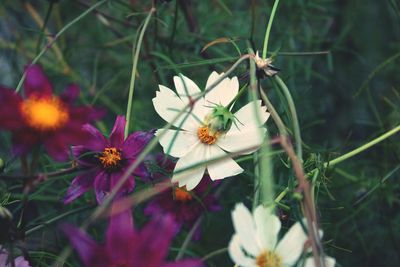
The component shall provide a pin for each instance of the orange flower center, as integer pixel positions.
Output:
(182, 195)
(205, 136)
(44, 113)
(110, 158)
(268, 259)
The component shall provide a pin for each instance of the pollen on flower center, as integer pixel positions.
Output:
(268, 259)
(205, 137)
(110, 158)
(182, 195)
(44, 113)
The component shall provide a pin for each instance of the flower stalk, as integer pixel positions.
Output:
(136, 48)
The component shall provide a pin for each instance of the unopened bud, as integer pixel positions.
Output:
(219, 120)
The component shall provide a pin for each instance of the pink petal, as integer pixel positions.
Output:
(120, 237)
(102, 186)
(117, 134)
(79, 186)
(36, 81)
(136, 142)
(71, 93)
(90, 253)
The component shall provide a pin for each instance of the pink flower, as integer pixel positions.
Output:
(126, 247)
(42, 117)
(104, 161)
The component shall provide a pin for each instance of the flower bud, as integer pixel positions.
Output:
(219, 120)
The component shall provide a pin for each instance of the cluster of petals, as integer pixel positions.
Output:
(244, 136)
(126, 247)
(40, 117)
(184, 206)
(6, 262)
(103, 161)
(255, 242)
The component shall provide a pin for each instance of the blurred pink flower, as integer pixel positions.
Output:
(42, 117)
(126, 247)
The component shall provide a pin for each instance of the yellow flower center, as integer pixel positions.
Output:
(205, 136)
(44, 113)
(110, 158)
(268, 259)
(182, 195)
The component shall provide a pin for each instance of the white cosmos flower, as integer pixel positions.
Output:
(255, 242)
(195, 141)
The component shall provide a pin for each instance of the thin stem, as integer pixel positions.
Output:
(239, 94)
(55, 219)
(293, 113)
(46, 47)
(264, 165)
(362, 148)
(268, 31)
(136, 48)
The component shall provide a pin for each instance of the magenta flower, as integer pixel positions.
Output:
(126, 247)
(18, 261)
(185, 206)
(42, 117)
(104, 161)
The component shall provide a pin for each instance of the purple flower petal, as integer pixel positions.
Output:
(57, 147)
(71, 93)
(36, 81)
(79, 186)
(140, 170)
(136, 142)
(154, 246)
(120, 237)
(90, 253)
(117, 134)
(98, 142)
(10, 117)
(84, 156)
(185, 263)
(21, 262)
(102, 186)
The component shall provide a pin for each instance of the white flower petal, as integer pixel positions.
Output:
(236, 253)
(245, 229)
(192, 176)
(224, 92)
(245, 141)
(186, 87)
(168, 105)
(267, 227)
(329, 262)
(224, 167)
(246, 116)
(291, 245)
(177, 143)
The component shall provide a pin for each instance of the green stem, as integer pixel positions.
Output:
(263, 166)
(66, 27)
(135, 47)
(362, 148)
(295, 121)
(267, 32)
(55, 219)
(239, 94)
